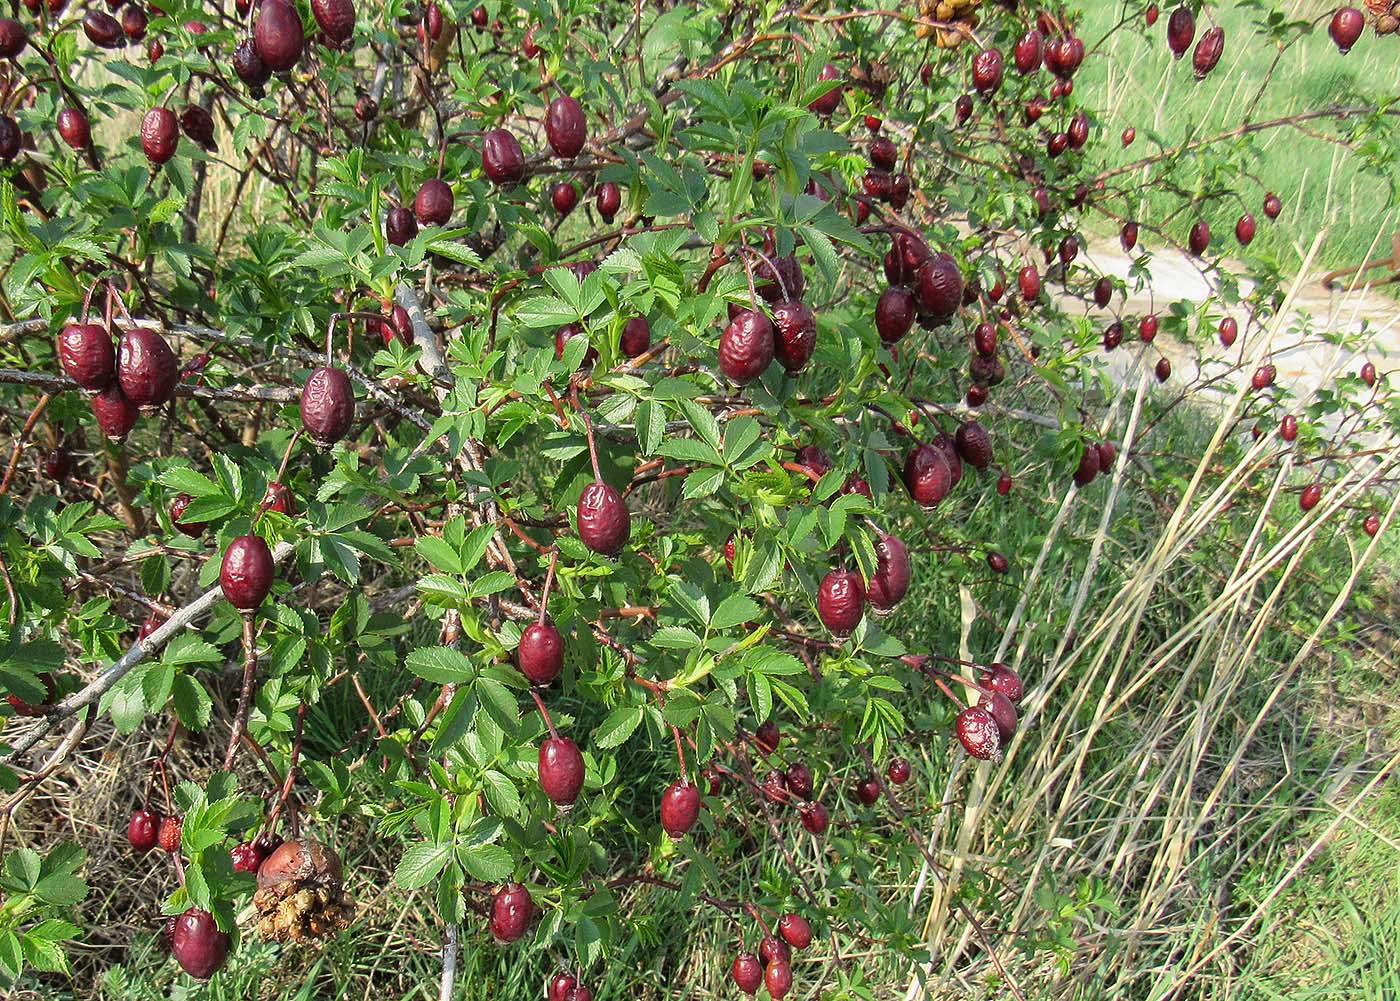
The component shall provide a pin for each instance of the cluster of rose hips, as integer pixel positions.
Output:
(193, 936)
(793, 785)
(1308, 498)
(931, 470)
(772, 967)
(983, 729)
(143, 372)
(566, 986)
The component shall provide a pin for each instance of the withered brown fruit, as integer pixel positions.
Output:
(301, 893)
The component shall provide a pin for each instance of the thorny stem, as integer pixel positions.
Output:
(286, 790)
(245, 694)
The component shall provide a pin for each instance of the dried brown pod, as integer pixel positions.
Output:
(301, 893)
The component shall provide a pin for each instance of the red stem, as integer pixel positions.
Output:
(548, 583)
(592, 446)
(545, 713)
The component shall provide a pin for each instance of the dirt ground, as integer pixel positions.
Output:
(1303, 363)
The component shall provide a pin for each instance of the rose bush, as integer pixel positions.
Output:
(570, 383)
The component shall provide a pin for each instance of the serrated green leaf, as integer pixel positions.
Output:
(439, 553)
(490, 863)
(441, 664)
(702, 483)
(192, 703)
(619, 724)
(420, 865)
(501, 794)
(733, 611)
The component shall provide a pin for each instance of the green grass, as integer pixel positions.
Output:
(1321, 184)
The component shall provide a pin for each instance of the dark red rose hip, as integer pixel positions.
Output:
(278, 36)
(501, 157)
(565, 127)
(146, 368)
(978, 732)
(747, 972)
(841, 601)
(831, 100)
(891, 580)
(73, 127)
(540, 654)
(1181, 29)
(13, 38)
(248, 66)
(1346, 27)
(603, 521)
(87, 356)
(746, 347)
(327, 405)
(636, 336)
(894, 313)
(141, 830)
(795, 930)
(794, 335)
(609, 200)
(974, 444)
(940, 286)
(247, 572)
(160, 134)
(194, 529)
(680, 808)
(561, 770)
(400, 225)
(335, 17)
(1001, 678)
(198, 945)
(102, 29)
(116, 415)
(511, 911)
(433, 204)
(927, 475)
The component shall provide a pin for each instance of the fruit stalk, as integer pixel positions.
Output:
(548, 583)
(680, 751)
(539, 702)
(271, 498)
(592, 445)
(943, 687)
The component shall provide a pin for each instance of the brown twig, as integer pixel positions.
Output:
(245, 693)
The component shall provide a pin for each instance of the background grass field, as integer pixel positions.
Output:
(1321, 185)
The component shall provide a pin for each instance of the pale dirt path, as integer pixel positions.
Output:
(1303, 364)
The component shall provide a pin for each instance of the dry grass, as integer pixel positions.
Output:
(1143, 760)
